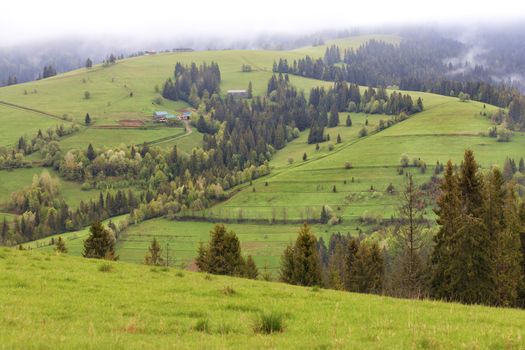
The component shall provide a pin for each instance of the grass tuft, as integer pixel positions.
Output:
(269, 322)
(227, 290)
(105, 267)
(202, 325)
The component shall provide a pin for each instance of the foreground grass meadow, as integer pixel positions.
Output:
(50, 301)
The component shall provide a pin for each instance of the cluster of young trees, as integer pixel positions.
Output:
(42, 212)
(28, 146)
(49, 71)
(191, 83)
(478, 254)
(222, 255)
(346, 264)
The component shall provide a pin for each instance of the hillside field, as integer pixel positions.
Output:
(120, 305)
(294, 191)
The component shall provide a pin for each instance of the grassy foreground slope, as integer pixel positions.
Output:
(61, 302)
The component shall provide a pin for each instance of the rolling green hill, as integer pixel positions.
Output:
(295, 190)
(61, 302)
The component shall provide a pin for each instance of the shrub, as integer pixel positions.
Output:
(105, 267)
(348, 165)
(86, 186)
(504, 135)
(290, 160)
(227, 290)
(363, 132)
(269, 322)
(404, 160)
(330, 146)
(87, 95)
(202, 325)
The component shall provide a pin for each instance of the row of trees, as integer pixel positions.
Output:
(476, 256)
(417, 64)
(41, 210)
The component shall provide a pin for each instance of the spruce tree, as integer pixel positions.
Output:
(222, 256)
(5, 231)
(100, 244)
(448, 211)
(306, 267)
(325, 216)
(250, 268)
(90, 153)
(508, 257)
(286, 271)
(348, 121)
(87, 119)
(154, 255)
(408, 279)
(60, 246)
(367, 272)
(350, 255)
(250, 90)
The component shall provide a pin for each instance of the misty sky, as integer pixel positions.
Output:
(29, 20)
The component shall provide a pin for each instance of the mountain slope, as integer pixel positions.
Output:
(60, 302)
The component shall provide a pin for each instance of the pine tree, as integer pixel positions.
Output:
(338, 138)
(325, 216)
(334, 117)
(367, 272)
(448, 211)
(4, 232)
(508, 257)
(349, 258)
(348, 121)
(250, 268)
(90, 153)
(306, 268)
(305, 156)
(408, 281)
(89, 63)
(87, 119)
(154, 255)
(250, 90)
(286, 272)
(60, 246)
(100, 244)
(222, 256)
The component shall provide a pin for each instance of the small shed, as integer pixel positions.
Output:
(238, 93)
(185, 116)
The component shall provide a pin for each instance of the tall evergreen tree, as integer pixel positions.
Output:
(90, 153)
(367, 272)
(448, 211)
(307, 271)
(87, 119)
(408, 279)
(300, 263)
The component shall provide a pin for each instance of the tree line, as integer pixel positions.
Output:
(416, 64)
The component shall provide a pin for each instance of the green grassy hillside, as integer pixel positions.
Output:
(296, 189)
(61, 302)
